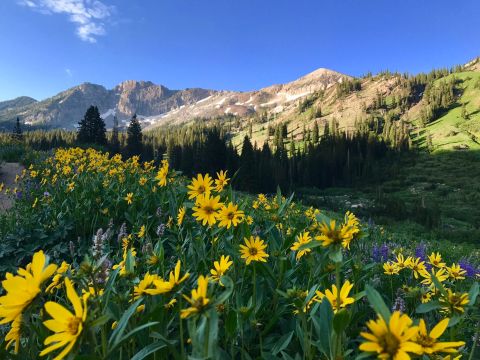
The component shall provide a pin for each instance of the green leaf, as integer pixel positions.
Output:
(228, 284)
(454, 320)
(363, 356)
(323, 328)
(147, 350)
(377, 303)
(122, 323)
(473, 293)
(427, 307)
(341, 321)
(101, 320)
(282, 343)
(439, 286)
(310, 245)
(359, 295)
(336, 255)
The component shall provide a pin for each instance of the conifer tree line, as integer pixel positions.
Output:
(331, 159)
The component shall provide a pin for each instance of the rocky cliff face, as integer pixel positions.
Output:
(156, 104)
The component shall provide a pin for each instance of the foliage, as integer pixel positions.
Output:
(292, 282)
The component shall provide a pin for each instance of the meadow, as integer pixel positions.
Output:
(105, 258)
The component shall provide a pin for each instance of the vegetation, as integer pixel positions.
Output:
(146, 264)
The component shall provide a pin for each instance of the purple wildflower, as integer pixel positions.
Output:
(469, 268)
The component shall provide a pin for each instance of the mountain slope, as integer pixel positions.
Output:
(157, 105)
(65, 109)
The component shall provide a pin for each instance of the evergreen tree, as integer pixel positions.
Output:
(247, 172)
(17, 131)
(315, 133)
(115, 141)
(91, 129)
(464, 112)
(134, 137)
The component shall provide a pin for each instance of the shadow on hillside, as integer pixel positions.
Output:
(439, 191)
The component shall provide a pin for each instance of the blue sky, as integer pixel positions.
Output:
(51, 45)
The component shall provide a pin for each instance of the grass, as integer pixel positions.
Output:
(446, 181)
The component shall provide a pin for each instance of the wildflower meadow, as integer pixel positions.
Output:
(105, 258)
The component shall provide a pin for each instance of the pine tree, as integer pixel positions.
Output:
(91, 129)
(17, 131)
(134, 137)
(464, 112)
(115, 142)
(315, 133)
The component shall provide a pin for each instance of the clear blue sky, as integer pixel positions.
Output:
(50, 45)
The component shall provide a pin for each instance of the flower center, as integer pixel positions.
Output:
(208, 209)
(201, 189)
(390, 344)
(425, 341)
(253, 251)
(230, 215)
(73, 325)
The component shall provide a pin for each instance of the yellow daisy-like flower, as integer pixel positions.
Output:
(332, 234)
(57, 278)
(253, 250)
(67, 326)
(202, 185)
(303, 238)
(142, 181)
(392, 341)
(13, 336)
(205, 210)
(417, 266)
(426, 297)
(230, 215)
(429, 341)
(453, 303)
(181, 215)
(456, 272)
(220, 267)
(129, 198)
(162, 174)
(221, 181)
(440, 274)
(70, 187)
(145, 284)
(249, 220)
(141, 232)
(198, 300)
(23, 288)
(435, 259)
(334, 297)
(170, 304)
(401, 262)
(390, 268)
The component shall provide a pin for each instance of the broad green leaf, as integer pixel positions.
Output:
(282, 343)
(427, 307)
(122, 323)
(473, 293)
(341, 321)
(147, 350)
(377, 303)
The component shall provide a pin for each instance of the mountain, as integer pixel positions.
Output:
(157, 105)
(16, 103)
(65, 109)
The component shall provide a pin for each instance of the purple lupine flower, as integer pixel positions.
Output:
(18, 194)
(376, 255)
(46, 194)
(384, 251)
(421, 252)
(469, 268)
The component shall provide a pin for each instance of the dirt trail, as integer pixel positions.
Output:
(8, 171)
